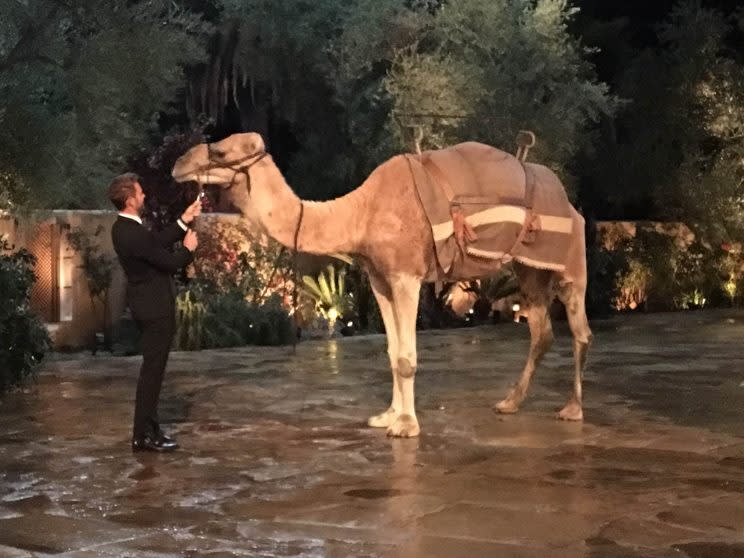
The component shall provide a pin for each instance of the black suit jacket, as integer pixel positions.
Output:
(149, 265)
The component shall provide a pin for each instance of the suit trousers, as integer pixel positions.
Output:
(157, 337)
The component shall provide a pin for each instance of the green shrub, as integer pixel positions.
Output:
(98, 268)
(190, 317)
(24, 337)
(228, 320)
(660, 274)
(604, 271)
(275, 326)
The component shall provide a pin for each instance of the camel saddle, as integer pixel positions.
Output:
(486, 208)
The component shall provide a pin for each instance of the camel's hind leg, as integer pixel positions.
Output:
(572, 296)
(537, 293)
(384, 296)
(406, 290)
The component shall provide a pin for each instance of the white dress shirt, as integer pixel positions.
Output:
(138, 220)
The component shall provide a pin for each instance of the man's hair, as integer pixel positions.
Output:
(122, 188)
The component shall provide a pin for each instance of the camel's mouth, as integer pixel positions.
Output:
(205, 177)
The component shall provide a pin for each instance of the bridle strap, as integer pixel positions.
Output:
(228, 164)
(238, 168)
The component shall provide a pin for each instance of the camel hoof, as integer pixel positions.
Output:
(572, 411)
(383, 420)
(405, 426)
(506, 407)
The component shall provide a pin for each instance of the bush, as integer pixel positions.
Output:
(232, 257)
(239, 294)
(98, 268)
(228, 320)
(731, 272)
(190, 317)
(274, 325)
(660, 273)
(24, 337)
(604, 271)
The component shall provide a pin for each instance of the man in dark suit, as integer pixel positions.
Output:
(149, 264)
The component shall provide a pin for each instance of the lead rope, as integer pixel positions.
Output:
(295, 288)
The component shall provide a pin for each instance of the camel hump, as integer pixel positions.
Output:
(477, 169)
(548, 181)
(476, 150)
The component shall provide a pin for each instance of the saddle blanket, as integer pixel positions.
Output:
(509, 211)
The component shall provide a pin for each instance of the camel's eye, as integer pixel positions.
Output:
(216, 153)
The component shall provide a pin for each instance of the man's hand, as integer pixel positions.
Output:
(194, 210)
(190, 241)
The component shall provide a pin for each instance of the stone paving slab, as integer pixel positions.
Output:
(277, 461)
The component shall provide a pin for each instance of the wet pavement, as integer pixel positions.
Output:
(277, 460)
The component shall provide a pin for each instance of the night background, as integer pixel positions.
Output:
(637, 106)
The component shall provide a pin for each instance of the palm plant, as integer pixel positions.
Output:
(328, 293)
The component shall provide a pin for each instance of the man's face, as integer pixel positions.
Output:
(137, 202)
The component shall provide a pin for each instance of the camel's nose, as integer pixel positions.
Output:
(189, 160)
(178, 167)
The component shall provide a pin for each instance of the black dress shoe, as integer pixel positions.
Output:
(153, 442)
(157, 432)
(163, 436)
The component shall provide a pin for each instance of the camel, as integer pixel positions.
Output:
(382, 225)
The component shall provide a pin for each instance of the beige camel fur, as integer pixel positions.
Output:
(383, 226)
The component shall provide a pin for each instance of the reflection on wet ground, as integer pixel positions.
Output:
(277, 460)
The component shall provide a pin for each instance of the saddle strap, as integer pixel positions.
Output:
(464, 231)
(531, 222)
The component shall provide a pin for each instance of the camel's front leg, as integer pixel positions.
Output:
(406, 290)
(383, 295)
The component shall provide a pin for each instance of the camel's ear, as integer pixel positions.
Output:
(253, 143)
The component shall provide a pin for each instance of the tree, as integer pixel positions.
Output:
(483, 69)
(268, 72)
(327, 82)
(83, 85)
(711, 186)
(681, 136)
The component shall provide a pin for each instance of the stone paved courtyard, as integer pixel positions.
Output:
(277, 460)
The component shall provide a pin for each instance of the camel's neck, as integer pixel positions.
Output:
(325, 227)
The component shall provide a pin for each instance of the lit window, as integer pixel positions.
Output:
(66, 271)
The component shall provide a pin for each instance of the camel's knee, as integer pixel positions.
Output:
(393, 356)
(584, 339)
(405, 368)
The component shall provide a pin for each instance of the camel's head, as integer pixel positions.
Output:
(226, 163)
(216, 163)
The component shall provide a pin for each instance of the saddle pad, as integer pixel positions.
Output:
(493, 190)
